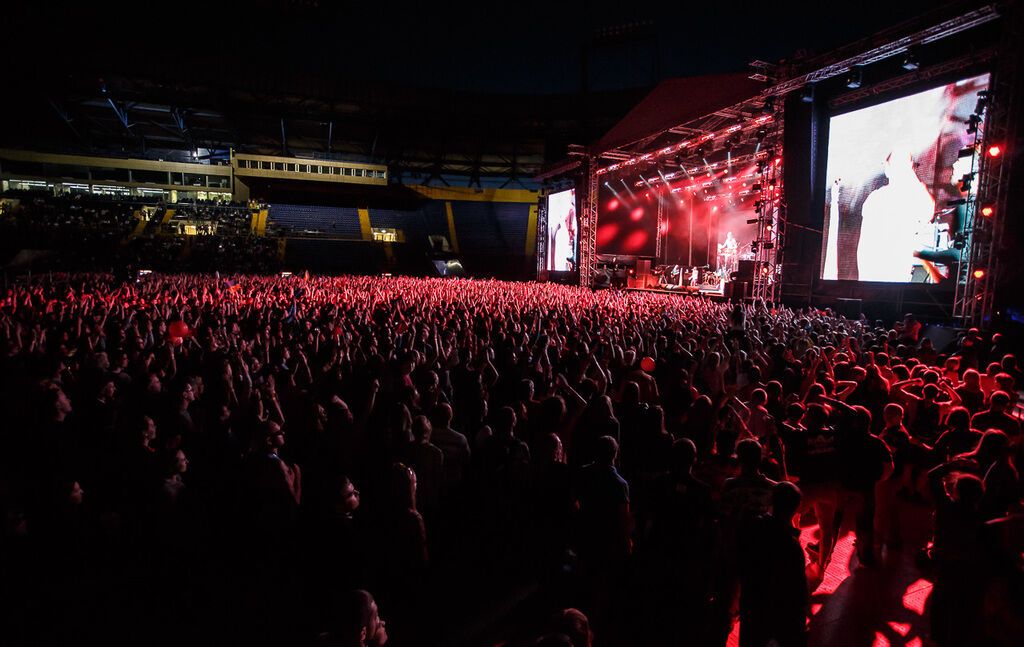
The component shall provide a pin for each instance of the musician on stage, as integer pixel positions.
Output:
(728, 252)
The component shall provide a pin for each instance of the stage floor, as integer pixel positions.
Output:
(715, 294)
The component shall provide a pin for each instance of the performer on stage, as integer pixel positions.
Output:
(728, 253)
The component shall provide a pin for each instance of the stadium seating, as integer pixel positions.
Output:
(334, 222)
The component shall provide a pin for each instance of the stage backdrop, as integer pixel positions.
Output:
(706, 210)
(626, 220)
(892, 169)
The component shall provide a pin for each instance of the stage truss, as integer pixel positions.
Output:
(771, 222)
(974, 298)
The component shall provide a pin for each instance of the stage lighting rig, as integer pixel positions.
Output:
(761, 134)
(807, 94)
(965, 182)
(855, 77)
(983, 100)
(910, 62)
(972, 123)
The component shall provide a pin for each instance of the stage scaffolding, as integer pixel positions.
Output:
(771, 222)
(975, 289)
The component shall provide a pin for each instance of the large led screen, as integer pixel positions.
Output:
(893, 208)
(563, 231)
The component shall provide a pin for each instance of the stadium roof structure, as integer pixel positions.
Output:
(418, 133)
(674, 102)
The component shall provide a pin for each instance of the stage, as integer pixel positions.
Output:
(715, 294)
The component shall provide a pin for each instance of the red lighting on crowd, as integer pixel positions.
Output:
(637, 214)
(979, 274)
(613, 204)
(987, 211)
(995, 150)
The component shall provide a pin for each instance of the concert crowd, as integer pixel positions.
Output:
(366, 460)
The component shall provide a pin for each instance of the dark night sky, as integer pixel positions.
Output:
(526, 47)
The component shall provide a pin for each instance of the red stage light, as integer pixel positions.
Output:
(987, 211)
(979, 274)
(636, 241)
(606, 233)
(637, 214)
(613, 204)
(995, 150)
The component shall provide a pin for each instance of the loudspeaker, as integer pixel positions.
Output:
(943, 338)
(737, 290)
(642, 278)
(745, 271)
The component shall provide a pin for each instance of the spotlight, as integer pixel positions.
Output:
(979, 274)
(756, 188)
(988, 210)
(752, 221)
(855, 77)
(728, 145)
(807, 94)
(753, 247)
(972, 124)
(768, 228)
(965, 182)
(761, 134)
(960, 241)
(910, 62)
(701, 152)
(769, 106)
(983, 99)
(995, 150)
(764, 270)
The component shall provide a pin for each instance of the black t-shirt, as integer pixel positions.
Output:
(863, 459)
(813, 455)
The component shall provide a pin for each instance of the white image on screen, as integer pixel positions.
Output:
(895, 218)
(860, 144)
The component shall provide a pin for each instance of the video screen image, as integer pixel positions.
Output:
(563, 231)
(892, 171)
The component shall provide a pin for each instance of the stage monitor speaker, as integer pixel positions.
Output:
(849, 308)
